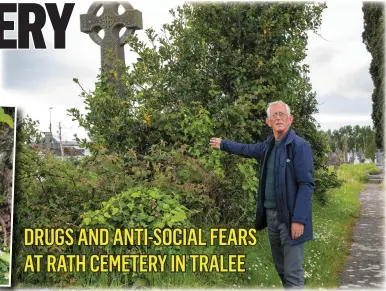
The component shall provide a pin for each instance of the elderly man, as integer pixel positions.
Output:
(285, 189)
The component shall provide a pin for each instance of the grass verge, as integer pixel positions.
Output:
(324, 260)
(325, 255)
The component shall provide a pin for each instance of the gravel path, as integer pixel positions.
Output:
(366, 265)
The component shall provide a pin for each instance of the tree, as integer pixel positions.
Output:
(212, 71)
(373, 38)
(28, 132)
(353, 139)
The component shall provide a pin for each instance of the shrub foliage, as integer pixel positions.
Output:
(210, 72)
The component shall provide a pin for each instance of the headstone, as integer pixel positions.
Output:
(379, 157)
(111, 22)
(348, 157)
(334, 160)
(352, 158)
(361, 157)
(356, 160)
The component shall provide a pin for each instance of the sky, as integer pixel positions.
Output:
(36, 80)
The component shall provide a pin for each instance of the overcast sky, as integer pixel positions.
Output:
(35, 80)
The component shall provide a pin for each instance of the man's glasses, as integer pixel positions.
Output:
(278, 114)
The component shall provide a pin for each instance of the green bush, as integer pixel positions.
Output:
(324, 181)
(358, 173)
(139, 207)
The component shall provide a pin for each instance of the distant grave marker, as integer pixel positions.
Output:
(334, 160)
(379, 157)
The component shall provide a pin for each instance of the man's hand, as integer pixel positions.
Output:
(297, 229)
(215, 142)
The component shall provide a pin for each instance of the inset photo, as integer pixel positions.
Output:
(7, 172)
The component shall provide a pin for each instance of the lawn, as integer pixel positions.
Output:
(325, 255)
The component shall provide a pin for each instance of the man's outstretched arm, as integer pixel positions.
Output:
(245, 150)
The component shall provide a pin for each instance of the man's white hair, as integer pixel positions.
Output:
(278, 102)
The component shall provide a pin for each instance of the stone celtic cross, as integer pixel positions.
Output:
(111, 22)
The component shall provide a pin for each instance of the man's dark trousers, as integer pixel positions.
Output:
(288, 259)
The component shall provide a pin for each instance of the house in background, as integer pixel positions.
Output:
(68, 149)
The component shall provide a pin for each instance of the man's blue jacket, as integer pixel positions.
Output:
(293, 178)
